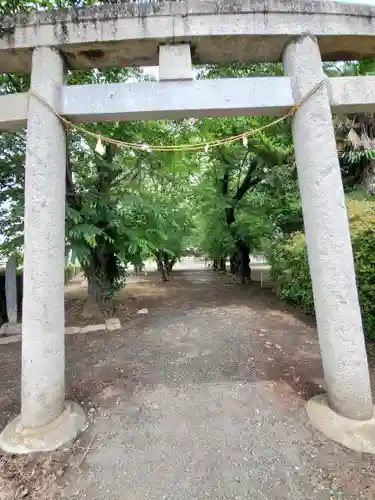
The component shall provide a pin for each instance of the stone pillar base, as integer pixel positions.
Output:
(16, 439)
(11, 329)
(358, 435)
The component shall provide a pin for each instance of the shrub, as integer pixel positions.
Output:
(290, 271)
(362, 224)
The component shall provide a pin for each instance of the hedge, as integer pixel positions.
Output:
(290, 272)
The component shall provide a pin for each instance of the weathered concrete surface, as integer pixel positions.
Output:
(172, 100)
(13, 111)
(10, 329)
(175, 62)
(328, 238)
(11, 289)
(354, 434)
(45, 421)
(113, 324)
(10, 339)
(264, 96)
(162, 100)
(15, 330)
(353, 94)
(43, 359)
(15, 438)
(221, 31)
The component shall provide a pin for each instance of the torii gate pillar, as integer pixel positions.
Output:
(46, 421)
(329, 250)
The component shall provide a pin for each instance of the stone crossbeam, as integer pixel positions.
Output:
(220, 32)
(172, 100)
(353, 94)
(13, 111)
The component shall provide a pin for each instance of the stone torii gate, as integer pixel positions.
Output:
(300, 33)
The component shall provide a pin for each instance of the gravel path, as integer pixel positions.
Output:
(213, 404)
(202, 398)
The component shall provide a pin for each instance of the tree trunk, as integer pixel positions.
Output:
(160, 266)
(368, 177)
(98, 289)
(223, 264)
(215, 264)
(244, 256)
(99, 295)
(233, 263)
(168, 262)
(161, 270)
(171, 263)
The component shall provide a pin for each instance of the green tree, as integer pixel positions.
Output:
(355, 133)
(237, 209)
(114, 215)
(128, 205)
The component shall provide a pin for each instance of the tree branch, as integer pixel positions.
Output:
(224, 183)
(72, 197)
(247, 182)
(18, 86)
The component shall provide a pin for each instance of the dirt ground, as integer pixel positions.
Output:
(141, 291)
(202, 398)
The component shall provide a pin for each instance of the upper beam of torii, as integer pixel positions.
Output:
(219, 31)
